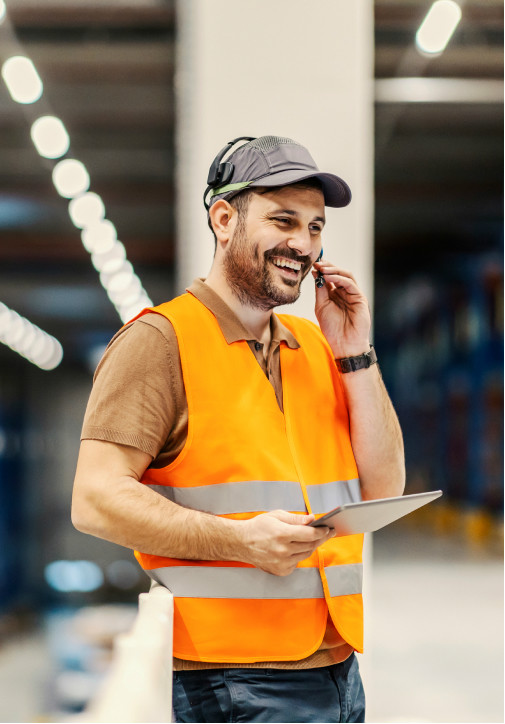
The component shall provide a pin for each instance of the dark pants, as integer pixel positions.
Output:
(329, 694)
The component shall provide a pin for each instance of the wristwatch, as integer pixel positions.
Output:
(362, 361)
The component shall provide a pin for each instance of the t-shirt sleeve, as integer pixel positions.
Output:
(135, 399)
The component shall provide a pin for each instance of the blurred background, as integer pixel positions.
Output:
(109, 80)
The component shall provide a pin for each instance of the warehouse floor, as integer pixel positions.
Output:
(434, 630)
(434, 637)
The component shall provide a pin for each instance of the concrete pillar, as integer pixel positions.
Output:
(289, 68)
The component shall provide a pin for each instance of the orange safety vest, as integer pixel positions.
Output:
(243, 457)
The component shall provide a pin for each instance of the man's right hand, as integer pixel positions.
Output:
(277, 541)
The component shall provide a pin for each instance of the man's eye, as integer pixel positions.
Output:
(316, 229)
(282, 219)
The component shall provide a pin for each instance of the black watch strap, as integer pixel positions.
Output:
(362, 361)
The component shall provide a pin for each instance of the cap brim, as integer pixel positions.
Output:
(336, 192)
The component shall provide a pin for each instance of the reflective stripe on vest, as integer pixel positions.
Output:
(252, 583)
(254, 496)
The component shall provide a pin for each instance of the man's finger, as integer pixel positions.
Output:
(327, 268)
(340, 280)
(292, 518)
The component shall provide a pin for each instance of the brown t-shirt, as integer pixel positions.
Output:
(138, 399)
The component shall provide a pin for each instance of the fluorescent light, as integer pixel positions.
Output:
(110, 261)
(22, 80)
(127, 312)
(70, 178)
(28, 340)
(100, 237)
(124, 289)
(3, 11)
(86, 210)
(50, 137)
(438, 26)
(438, 90)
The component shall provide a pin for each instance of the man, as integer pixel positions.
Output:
(216, 430)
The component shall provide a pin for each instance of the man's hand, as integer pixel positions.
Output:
(342, 311)
(277, 541)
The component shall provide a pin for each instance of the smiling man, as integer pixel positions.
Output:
(216, 430)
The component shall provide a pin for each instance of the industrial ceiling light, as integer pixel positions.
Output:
(86, 210)
(50, 137)
(28, 340)
(100, 237)
(111, 260)
(22, 80)
(437, 27)
(70, 178)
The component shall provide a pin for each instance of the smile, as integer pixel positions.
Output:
(287, 263)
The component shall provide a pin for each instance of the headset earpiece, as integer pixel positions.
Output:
(224, 172)
(221, 173)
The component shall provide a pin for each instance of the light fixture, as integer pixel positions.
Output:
(99, 237)
(123, 288)
(28, 340)
(73, 576)
(3, 11)
(438, 26)
(50, 137)
(110, 261)
(86, 210)
(70, 178)
(22, 80)
(128, 312)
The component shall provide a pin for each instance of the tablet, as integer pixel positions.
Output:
(370, 515)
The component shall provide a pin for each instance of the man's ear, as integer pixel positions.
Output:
(223, 219)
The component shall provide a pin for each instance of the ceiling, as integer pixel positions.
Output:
(108, 69)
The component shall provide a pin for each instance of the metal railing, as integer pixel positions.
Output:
(138, 687)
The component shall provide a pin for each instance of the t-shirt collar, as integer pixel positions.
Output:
(232, 328)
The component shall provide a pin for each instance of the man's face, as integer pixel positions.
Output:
(273, 250)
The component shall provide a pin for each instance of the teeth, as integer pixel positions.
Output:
(295, 265)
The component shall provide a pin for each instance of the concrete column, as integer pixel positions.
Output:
(296, 68)
(289, 68)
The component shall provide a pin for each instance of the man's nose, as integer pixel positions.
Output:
(301, 242)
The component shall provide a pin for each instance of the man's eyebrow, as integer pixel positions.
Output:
(291, 212)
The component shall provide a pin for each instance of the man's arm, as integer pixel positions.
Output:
(110, 502)
(375, 435)
(344, 317)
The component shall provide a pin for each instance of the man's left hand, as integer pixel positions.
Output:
(342, 311)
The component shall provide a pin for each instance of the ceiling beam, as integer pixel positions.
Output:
(97, 13)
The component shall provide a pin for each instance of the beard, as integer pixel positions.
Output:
(251, 275)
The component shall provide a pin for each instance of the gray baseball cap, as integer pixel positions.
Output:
(275, 161)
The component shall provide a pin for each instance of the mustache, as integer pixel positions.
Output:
(287, 253)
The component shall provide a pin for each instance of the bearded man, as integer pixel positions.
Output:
(216, 430)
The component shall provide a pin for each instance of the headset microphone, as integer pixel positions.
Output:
(221, 173)
(320, 278)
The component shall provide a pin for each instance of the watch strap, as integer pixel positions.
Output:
(362, 361)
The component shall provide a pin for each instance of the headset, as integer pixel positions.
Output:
(320, 278)
(220, 173)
